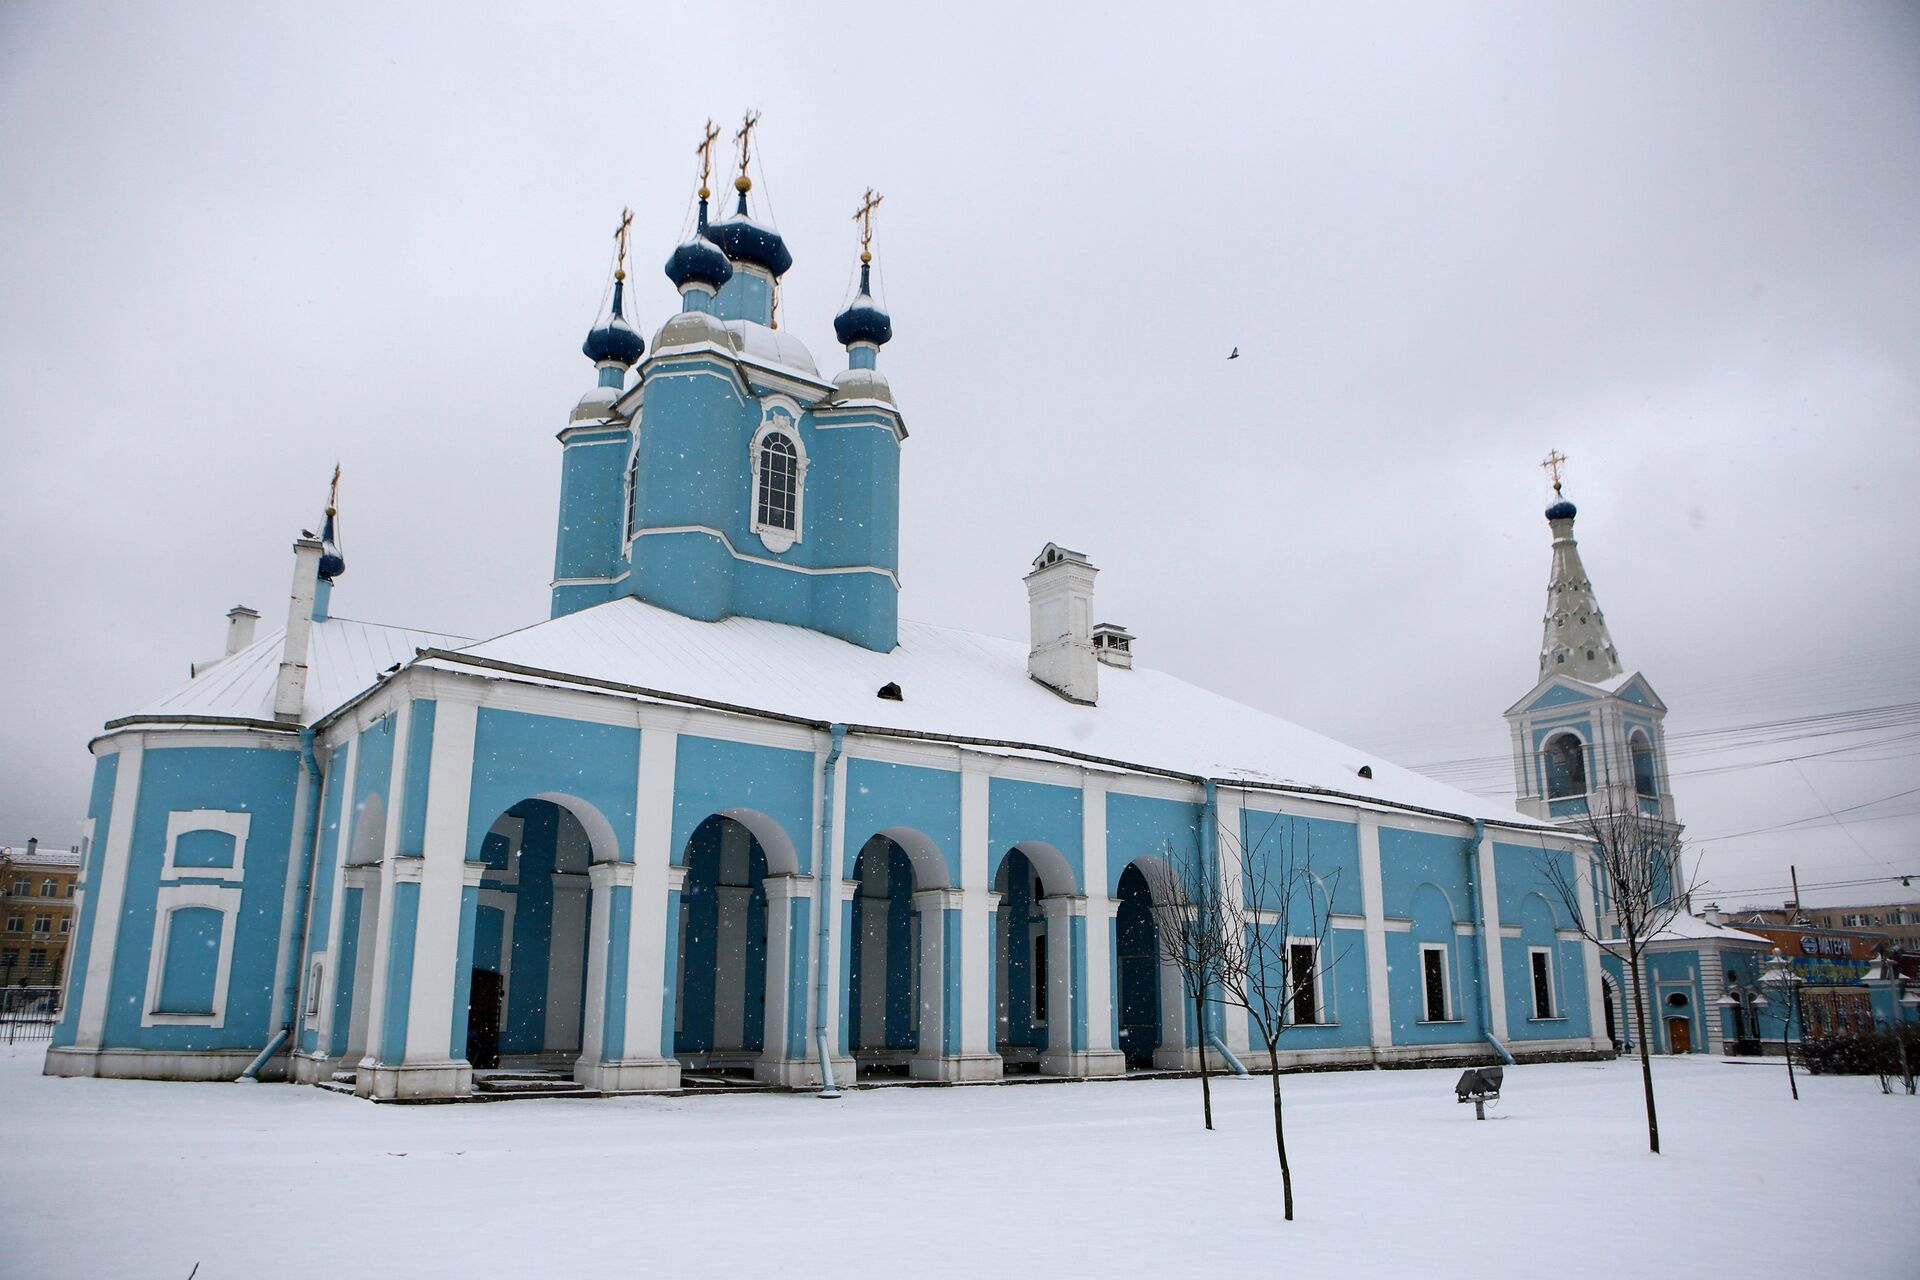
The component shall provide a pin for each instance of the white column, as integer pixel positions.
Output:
(436, 947)
(1590, 950)
(870, 924)
(930, 1059)
(605, 878)
(978, 1018)
(1060, 910)
(1373, 907)
(1101, 1058)
(730, 965)
(846, 915)
(367, 879)
(335, 886)
(565, 956)
(109, 896)
(376, 1016)
(653, 916)
(775, 1065)
(1229, 852)
(1488, 927)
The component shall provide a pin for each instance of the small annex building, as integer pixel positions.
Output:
(725, 811)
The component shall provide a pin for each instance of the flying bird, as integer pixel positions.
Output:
(1235, 355)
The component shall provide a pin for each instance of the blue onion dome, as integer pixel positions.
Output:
(698, 261)
(744, 240)
(332, 563)
(863, 320)
(1562, 510)
(614, 339)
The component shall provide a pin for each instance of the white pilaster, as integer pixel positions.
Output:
(1229, 853)
(565, 976)
(331, 880)
(1488, 927)
(1060, 910)
(870, 922)
(1373, 908)
(603, 877)
(731, 902)
(1102, 1058)
(109, 896)
(931, 1060)
(977, 907)
(774, 1065)
(1590, 951)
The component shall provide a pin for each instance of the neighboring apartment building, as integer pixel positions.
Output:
(1899, 921)
(37, 887)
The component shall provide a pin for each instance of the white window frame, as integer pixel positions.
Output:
(1446, 982)
(222, 898)
(785, 423)
(1319, 984)
(316, 977)
(182, 822)
(1553, 1013)
(630, 513)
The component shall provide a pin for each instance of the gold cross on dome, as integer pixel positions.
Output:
(620, 244)
(705, 152)
(745, 139)
(333, 492)
(1551, 464)
(864, 216)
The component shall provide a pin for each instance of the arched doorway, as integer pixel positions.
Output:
(1137, 944)
(527, 949)
(720, 979)
(883, 971)
(1611, 1009)
(1033, 960)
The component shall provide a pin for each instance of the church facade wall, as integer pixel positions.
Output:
(681, 925)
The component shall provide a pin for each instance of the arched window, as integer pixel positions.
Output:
(633, 496)
(779, 476)
(1566, 762)
(1644, 781)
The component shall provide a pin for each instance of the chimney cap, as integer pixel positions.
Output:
(242, 611)
(1053, 553)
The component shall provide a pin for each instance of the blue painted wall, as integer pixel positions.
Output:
(700, 969)
(517, 756)
(106, 773)
(1424, 881)
(712, 774)
(1146, 826)
(1020, 811)
(881, 795)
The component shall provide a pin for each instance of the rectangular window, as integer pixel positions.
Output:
(16, 924)
(43, 924)
(37, 958)
(22, 887)
(69, 890)
(1433, 972)
(1542, 962)
(1300, 977)
(66, 924)
(48, 888)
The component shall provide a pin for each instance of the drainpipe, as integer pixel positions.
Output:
(297, 962)
(823, 894)
(1480, 938)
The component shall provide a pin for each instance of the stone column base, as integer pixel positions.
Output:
(414, 1081)
(312, 1068)
(1102, 1062)
(629, 1075)
(959, 1068)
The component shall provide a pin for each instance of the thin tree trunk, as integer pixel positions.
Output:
(1280, 1134)
(1646, 1061)
(1786, 1049)
(1200, 1026)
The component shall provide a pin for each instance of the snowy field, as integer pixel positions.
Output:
(123, 1178)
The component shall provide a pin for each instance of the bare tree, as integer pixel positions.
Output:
(1277, 933)
(1188, 917)
(1633, 867)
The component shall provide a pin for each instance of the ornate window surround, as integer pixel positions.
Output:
(781, 417)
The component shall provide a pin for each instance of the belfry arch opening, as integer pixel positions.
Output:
(1565, 758)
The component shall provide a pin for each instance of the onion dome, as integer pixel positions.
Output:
(614, 340)
(744, 240)
(332, 563)
(863, 320)
(1562, 510)
(698, 261)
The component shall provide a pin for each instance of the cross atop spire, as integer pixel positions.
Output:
(1551, 464)
(864, 216)
(744, 140)
(620, 244)
(705, 152)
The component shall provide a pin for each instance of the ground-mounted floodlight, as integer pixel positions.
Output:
(1479, 1085)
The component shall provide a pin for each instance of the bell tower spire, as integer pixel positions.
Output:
(1574, 640)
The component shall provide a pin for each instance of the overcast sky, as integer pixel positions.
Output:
(1680, 243)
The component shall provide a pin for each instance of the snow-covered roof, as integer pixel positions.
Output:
(957, 684)
(40, 856)
(1686, 928)
(343, 657)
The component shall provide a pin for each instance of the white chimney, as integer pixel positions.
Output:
(1060, 602)
(240, 623)
(290, 690)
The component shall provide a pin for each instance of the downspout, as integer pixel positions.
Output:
(823, 896)
(302, 904)
(1210, 863)
(1480, 939)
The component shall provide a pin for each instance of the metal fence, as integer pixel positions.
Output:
(28, 1013)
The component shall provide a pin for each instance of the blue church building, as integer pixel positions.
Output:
(725, 812)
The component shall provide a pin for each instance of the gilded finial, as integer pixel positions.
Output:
(333, 493)
(744, 138)
(705, 151)
(1551, 464)
(620, 244)
(864, 216)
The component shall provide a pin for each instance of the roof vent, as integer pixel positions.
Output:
(1113, 645)
(1366, 771)
(891, 692)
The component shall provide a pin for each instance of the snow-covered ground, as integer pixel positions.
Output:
(123, 1178)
